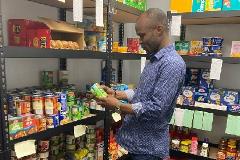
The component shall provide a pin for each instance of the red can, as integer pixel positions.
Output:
(43, 146)
(23, 107)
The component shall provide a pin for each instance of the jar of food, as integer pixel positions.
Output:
(184, 147)
(231, 152)
(221, 154)
(204, 150)
(175, 144)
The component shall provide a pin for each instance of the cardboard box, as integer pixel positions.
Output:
(16, 128)
(235, 51)
(181, 6)
(213, 5)
(39, 38)
(198, 6)
(60, 30)
(231, 5)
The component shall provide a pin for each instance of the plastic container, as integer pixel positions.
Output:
(194, 146)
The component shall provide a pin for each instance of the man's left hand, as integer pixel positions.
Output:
(108, 102)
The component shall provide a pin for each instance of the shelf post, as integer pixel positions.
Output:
(120, 62)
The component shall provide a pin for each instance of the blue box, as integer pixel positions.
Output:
(198, 6)
(192, 77)
(214, 96)
(188, 96)
(229, 98)
(233, 108)
(205, 81)
(201, 95)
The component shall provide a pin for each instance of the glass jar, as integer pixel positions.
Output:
(204, 150)
(231, 152)
(175, 144)
(184, 147)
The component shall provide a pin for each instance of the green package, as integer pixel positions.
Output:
(213, 5)
(207, 121)
(97, 91)
(198, 6)
(182, 47)
(188, 118)
(198, 120)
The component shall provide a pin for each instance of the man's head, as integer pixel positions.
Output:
(152, 28)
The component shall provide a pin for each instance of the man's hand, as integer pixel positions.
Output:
(108, 102)
(109, 91)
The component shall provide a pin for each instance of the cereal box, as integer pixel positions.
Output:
(233, 108)
(198, 6)
(188, 96)
(16, 128)
(201, 95)
(205, 81)
(192, 77)
(229, 98)
(214, 96)
(235, 51)
(196, 48)
(213, 5)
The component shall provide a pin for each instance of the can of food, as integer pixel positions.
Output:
(27, 97)
(44, 155)
(55, 140)
(43, 146)
(207, 41)
(70, 147)
(92, 140)
(56, 105)
(49, 105)
(63, 119)
(70, 139)
(54, 150)
(90, 146)
(62, 137)
(37, 103)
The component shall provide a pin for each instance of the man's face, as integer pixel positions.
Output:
(149, 38)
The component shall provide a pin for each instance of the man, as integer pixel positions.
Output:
(144, 132)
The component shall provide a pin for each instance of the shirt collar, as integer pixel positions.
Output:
(161, 52)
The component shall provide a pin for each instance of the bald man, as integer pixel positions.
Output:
(145, 132)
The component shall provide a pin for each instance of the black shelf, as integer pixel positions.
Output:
(61, 129)
(214, 111)
(127, 56)
(188, 155)
(205, 18)
(206, 59)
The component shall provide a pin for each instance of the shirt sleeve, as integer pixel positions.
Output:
(166, 90)
(130, 93)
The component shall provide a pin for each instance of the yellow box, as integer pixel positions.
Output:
(181, 6)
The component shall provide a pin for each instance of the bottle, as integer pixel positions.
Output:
(231, 152)
(222, 149)
(194, 146)
(238, 152)
(204, 150)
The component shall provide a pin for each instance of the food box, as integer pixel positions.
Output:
(213, 5)
(198, 6)
(231, 5)
(181, 6)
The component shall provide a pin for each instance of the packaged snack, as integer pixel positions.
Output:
(229, 98)
(213, 5)
(16, 128)
(29, 124)
(207, 41)
(233, 108)
(235, 51)
(201, 95)
(205, 81)
(41, 122)
(188, 96)
(196, 48)
(192, 77)
(214, 96)
(198, 6)
(217, 41)
(182, 47)
(52, 121)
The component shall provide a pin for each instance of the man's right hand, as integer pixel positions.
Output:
(117, 94)
(109, 91)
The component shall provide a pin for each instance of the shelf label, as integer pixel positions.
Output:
(78, 10)
(25, 148)
(216, 68)
(79, 130)
(99, 13)
(176, 25)
(143, 63)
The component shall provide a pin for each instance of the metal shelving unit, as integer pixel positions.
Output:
(114, 11)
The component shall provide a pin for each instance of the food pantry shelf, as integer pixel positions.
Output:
(91, 119)
(214, 111)
(180, 154)
(205, 18)
(124, 13)
(206, 59)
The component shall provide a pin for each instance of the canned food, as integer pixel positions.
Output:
(43, 146)
(70, 147)
(37, 101)
(23, 107)
(63, 101)
(55, 140)
(27, 97)
(49, 105)
(44, 155)
(70, 139)
(54, 150)
(91, 136)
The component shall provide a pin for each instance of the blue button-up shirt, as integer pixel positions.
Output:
(153, 102)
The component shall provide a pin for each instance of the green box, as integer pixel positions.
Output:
(198, 6)
(182, 47)
(231, 5)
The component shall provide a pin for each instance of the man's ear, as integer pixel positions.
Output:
(159, 29)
